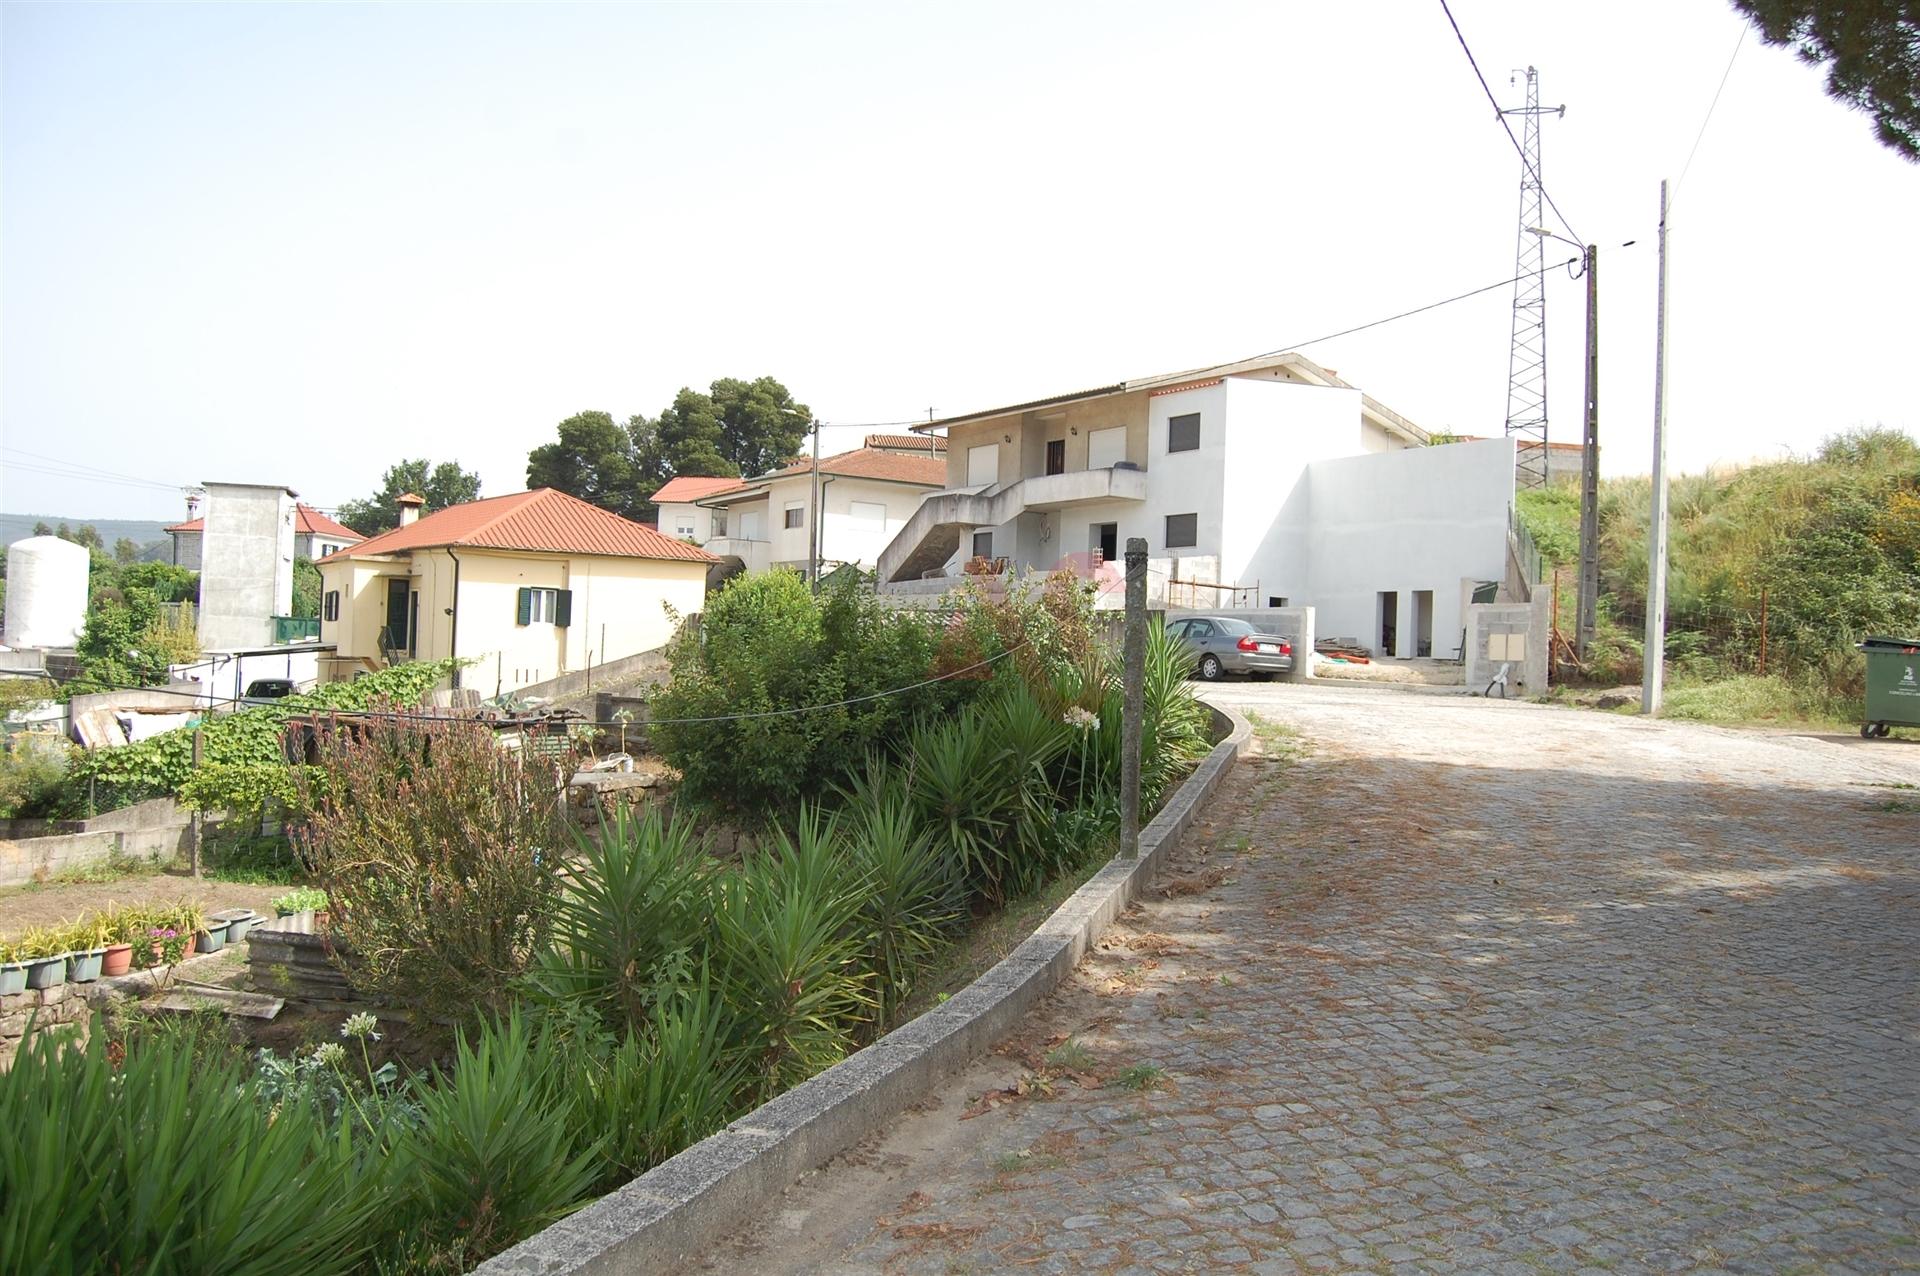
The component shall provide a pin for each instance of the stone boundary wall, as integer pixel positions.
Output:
(653, 660)
(34, 1011)
(681, 1206)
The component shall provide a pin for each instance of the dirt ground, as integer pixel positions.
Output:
(25, 906)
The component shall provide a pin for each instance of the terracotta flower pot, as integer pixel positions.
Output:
(117, 960)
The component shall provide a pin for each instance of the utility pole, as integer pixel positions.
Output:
(1527, 357)
(1653, 664)
(813, 517)
(1133, 696)
(194, 826)
(1589, 615)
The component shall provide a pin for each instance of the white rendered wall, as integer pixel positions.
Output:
(1414, 519)
(1276, 429)
(676, 514)
(246, 564)
(847, 539)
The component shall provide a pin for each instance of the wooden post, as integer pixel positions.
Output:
(193, 820)
(1763, 629)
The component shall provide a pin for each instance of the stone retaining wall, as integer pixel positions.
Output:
(26, 1014)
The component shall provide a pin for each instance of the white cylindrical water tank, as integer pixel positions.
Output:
(46, 592)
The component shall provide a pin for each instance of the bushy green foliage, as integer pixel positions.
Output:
(307, 585)
(768, 645)
(32, 782)
(440, 854)
(169, 1162)
(161, 766)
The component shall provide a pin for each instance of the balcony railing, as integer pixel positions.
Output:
(296, 628)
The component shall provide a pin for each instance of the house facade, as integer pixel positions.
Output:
(1266, 483)
(314, 536)
(527, 587)
(866, 497)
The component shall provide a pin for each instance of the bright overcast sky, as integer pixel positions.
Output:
(294, 244)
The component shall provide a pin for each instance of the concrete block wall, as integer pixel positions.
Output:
(1493, 628)
(32, 850)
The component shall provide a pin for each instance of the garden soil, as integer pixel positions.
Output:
(27, 906)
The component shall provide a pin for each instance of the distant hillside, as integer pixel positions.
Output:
(143, 533)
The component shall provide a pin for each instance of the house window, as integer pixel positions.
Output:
(545, 607)
(683, 526)
(330, 608)
(1183, 433)
(1275, 600)
(1056, 456)
(1182, 530)
(871, 515)
(796, 516)
(719, 522)
(983, 544)
(983, 465)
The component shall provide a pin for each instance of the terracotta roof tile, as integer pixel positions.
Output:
(544, 520)
(892, 467)
(306, 521)
(689, 487)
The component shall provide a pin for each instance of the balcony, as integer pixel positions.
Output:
(753, 555)
(932, 535)
(296, 629)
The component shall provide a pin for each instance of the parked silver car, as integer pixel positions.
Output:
(1222, 645)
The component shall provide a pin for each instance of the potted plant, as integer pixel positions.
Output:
(301, 899)
(45, 957)
(161, 945)
(118, 957)
(86, 939)
(210, 936)
(13, 970)
(239, 921)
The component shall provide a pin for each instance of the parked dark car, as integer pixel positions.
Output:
(1222, 645)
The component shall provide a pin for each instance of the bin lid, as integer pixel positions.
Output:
(1881, 643)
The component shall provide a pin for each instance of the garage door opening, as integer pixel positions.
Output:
(1423, 622)
(1389, 622)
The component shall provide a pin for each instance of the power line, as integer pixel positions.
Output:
(1500, 115)
(1742, 39)
(81, 470)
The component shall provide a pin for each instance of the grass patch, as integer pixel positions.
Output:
(1754, 698)
(992, 938)
(1140, 1078)
(1280, 741)
(1070, 1056)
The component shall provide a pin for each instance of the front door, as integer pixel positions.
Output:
(393, 639)
(1056, 456)
(1105, 541)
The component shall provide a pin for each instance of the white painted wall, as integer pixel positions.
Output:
(222, 677)
(1413, 519)
(675, 515)
(246, 564)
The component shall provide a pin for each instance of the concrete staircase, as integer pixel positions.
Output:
(932, 536)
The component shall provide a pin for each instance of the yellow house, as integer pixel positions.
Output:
(527, 587)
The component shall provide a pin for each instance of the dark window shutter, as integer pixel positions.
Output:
(563, 608)
(1183, 433)
(526, 606)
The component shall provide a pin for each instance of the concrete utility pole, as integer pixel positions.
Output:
(1133, 697)
(1589, 616)
(193, 820)
(813, 517)
(1653, 677)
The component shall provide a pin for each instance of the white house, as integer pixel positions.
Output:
(866, 497)
(1265, 483)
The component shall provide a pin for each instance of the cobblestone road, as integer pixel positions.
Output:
(1467, 987)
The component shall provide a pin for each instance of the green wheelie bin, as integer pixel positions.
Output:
(1893, 685)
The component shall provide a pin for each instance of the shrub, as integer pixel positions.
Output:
(914, 898)
(32, 782)
(767, 644)
(440, 855)
(170, 1162)
(631, 919)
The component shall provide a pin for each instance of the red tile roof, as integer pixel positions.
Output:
(689, 487)
(306, 520)
(892, 467)
(543, 520)
(909, 442)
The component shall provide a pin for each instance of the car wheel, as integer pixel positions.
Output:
(1867, 731)
(1210, 668)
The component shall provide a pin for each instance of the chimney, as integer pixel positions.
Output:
(410, 508)
(193, 506)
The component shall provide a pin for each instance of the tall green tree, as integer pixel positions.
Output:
(594, 459)
(442, 485)
(732, 428)
(125, 551)
(1873, 48)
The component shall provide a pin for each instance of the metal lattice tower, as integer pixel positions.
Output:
(1527, 361)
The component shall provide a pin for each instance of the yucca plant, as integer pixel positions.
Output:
(915, 896)
(632, 912)
(661, 1089)
(959, 785)
(788, 959)
(495, 1156)
(170, 1163)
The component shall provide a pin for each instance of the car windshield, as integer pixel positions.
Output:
(1228, 625)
